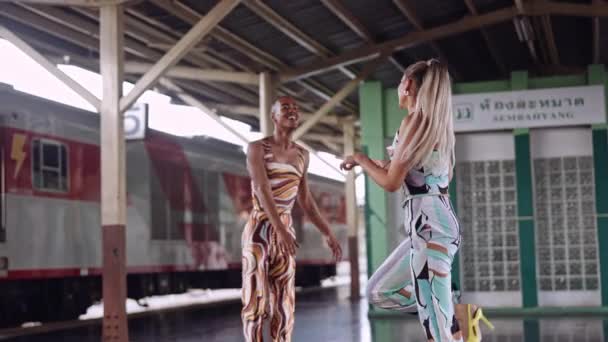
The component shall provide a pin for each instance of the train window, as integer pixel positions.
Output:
(50, 165)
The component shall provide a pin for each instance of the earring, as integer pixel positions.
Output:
(407, 93)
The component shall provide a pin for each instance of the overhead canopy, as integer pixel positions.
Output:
(316, 47)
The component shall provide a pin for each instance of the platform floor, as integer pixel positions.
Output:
(328, 316)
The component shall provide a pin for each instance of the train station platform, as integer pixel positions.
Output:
(325, 315)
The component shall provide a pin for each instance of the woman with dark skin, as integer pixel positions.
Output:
(278, 169)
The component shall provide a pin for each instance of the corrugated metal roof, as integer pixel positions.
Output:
(433, 13)
(380, 17)
(249, 26)
(67, 47)
(314, 19)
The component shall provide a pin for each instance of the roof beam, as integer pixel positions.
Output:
(188, 15)
(486, 37)
(197, 74)
(350, 20)
(181, 48)
(340, 95)
(50, 67)
(412, 39)
(409, 14)
(291, 31)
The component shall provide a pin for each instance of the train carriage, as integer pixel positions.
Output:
(188, 200)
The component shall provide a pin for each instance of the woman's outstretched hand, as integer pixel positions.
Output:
(349, 163)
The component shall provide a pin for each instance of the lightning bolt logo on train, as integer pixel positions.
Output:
(18, 153)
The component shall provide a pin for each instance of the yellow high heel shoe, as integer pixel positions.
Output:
(474, 333)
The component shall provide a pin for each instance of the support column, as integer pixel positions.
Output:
(113, 176)
(376, 204)
(372, 114)
(266, 99)
(597, 75)
(351, 213)
(525, 205)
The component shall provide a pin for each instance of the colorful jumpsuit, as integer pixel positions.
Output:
(417, 274)
(268, 274)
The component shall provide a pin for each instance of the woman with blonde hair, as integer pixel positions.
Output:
(422, 159)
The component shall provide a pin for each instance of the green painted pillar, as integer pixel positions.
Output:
(531, 330)
(372, 116)
(597, 75)
(393, 115)
(371, 104)
(525, 205)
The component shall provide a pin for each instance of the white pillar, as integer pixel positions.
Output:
(113, 176)
(351, 213)
(266, 98)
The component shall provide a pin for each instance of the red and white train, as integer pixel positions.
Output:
(188, 200)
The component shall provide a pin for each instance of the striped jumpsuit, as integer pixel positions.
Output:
(417, 274)
(268, 274)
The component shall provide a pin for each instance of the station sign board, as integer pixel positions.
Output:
(568, 106)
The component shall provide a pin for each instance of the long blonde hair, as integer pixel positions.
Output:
(431, 126)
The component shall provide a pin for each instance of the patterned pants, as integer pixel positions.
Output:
(268, 281)
(417, 274)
